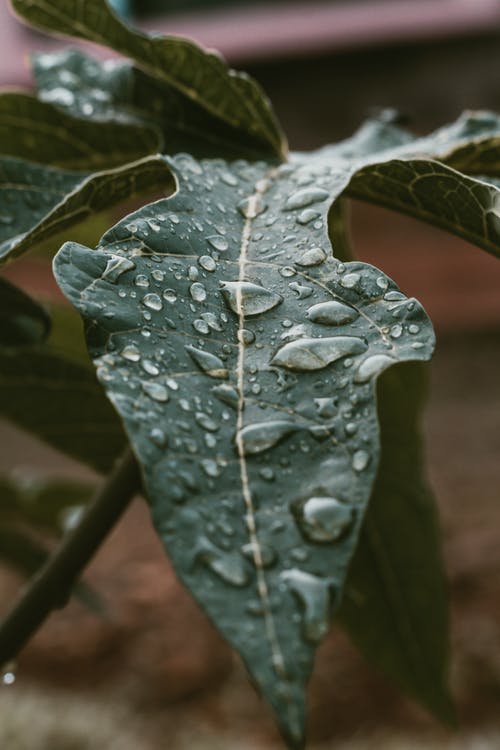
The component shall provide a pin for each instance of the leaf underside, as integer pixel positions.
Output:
(242, 358)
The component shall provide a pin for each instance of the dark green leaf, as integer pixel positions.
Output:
(61, 403)
(199, 76)
(22, 321)
(395, 601)
(38, 202)
(119, 91)
(40, 132)
(242, 357)
(21, 550)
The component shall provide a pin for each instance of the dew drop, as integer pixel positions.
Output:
(394, 296)
(245, 336)
(360, 460)
(141, 281)
(158, 274)
(207, 362)
(396, 331)
(169, 295)
(207, 263)
(312, 257)
(153, 302)
(324, 519)
(259, 437)
(211, 320)
(156, 391)
(131, 352)
(249, 299)
(313, 594)
(252, 207)
(300, 290)
(316, 353)
(231, 567)
(350, 280)
(413, 328)
(326, 407)
(211, 467)
(304, 198)
(287, 272)
(158, 437)
(267, 473)
(206, 422)
(306, 216)
(227, 394)
(218, 243)
(332, 313)
(115, 267)
(198, 292)
(260, 554)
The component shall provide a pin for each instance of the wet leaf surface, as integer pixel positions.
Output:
(197, 77)
(242, 357)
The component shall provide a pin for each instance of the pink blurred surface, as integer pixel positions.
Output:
(251, 33)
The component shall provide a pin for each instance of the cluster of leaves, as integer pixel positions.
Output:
(239, 341)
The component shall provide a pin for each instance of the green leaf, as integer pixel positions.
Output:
(395, 601)
(22, 321)
(61, 403)
(118, 91)
(39, 202)
(242, 358)
(21, 551)
(201, 77)
(40, 132)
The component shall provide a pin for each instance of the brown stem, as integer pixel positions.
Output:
(51, 587)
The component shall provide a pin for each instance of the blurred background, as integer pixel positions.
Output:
(152, 673)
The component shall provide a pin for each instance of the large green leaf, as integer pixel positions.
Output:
(22, 321)
(395, 601)
(242, 358)
(40, 132)
(119, 91)
(60, 402)
(38, 202)
(199, 76)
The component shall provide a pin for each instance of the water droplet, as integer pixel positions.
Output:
(211, 320)
(287, 272)
(150, 367)
(382, 282)
(229, 178)
(301, 291)
(314, 354)
(304, 198)
(170, 295)
(211, 467)
(231, 567)
(396, 331)
(259, 553)
(193, 274)
(360, 460)
(259, 437)
(218, 243)
(227, 394)
(156, 391)
(413, 328)
(252, 207)
(350, 280)
(312, 257)
(307, 215)
(245, 336)
(201, 326)
(324, 519)
(131, 352)
(207, 263)
(332, 313)
(248, 299)
(267, 473)
(372, 366)
(207, 362)
(8, 677)
(326, 407)
(394, 296)
(313, 594)
(172, 384)
(158, 274)
(141, 280)
(152, 301)
(158, 437)
(198, 292)
(206, 422)
(115, 266)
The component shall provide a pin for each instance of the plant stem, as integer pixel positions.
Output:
(51, 587)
